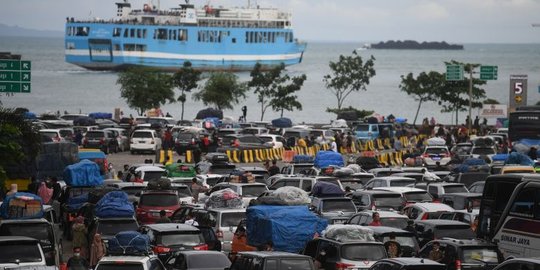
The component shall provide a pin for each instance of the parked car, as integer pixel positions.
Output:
(465, 254)
(423, 211)
(519, 263)
(461, 215)
(477, 187)
(198, 260)
(407, 240)
(389, 181)
(388, 218)
(244, 142)
(407, 264)
(271, 260)
(20, 251)
(276, 141)
(109, 227)
(435, 153)
(122, 136)
(304, 183)
(377, 200)
(101, 139)
(410, 194)
(144, 140)
(337, 210)
(461, 201)
(438, 189)
(153, 201)
(168, 238)
(53, 134)
(432, 229)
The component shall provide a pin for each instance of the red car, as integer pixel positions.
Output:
(152, 202)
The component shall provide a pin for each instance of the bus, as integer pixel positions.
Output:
(510, 214)
(524, 123)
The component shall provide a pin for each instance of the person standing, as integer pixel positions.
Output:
(78, 137)
(333, 145)
(244, 113)
(274, 169)
(79, 232)
(97, 250)
(77, 262)
(376, 219)
(196, 189)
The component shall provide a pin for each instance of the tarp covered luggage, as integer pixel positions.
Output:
(114, 204)
(519, 158)
(345, 233)
(368, 163)
(436, 141)
(325, 159)
(289, 228)
(83, 174)
(341, 172)
(292, 195)
(180, 170)
(100, 115)
(95, 195)
(326, 189)
(160, 184)
(302, 159)
(225, 198)
(129, 243)
(84, 121)
(500, 158)
(282, 122)
(21, 205)
(77, 202)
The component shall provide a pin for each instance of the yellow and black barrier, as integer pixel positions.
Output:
(165, 157)
(189, 156)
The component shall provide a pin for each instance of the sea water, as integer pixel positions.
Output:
(59, 86)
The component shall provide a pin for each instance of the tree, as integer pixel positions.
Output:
(491, 101)
(186, 80)
(145, 88)
(19, 143)
(265, 84)
(223, 90)
(349, 74)
(423, 88)
(283, 99)
(454, 96)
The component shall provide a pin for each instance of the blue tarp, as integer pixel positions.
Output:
(83, 174)
(100, 115)
(9, 210)
(75, 203)
(326, 189)
(324, 159)
(129, 242)
(519, 158)
(499, 157)
(114, 204)
(302, 159)
(282, 122)
(29, 115)
(91, 155)
(288, 227)
(214, 122)
(474, 162)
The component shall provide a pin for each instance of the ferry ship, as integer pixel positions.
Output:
(211, 38)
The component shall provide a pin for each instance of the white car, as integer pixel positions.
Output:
(150, 262)
(436, 153)
(54, 134)
(145, 140)
(421, 211)
(277, 141)
(410, 194)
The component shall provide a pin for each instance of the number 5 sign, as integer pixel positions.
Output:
(518, 91)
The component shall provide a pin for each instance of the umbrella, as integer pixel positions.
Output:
(209, 112)
(282, 122)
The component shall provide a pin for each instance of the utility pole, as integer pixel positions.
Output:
(469, 124)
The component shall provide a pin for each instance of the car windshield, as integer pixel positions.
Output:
(49, 134)
(160, 200)
(93, 134)
(140, 134)
(24, 253)
(417, 196)
(253, 191)
(338, 205)
(132, 190)
(353, 184)
(266, 139)
(207, 261)
(151, 176)
(185, 136)
(483, 151)
(112, 227)
(362, 128)
(39, 231)
(297, 169)
(402, 182)
(408, 241)
(120, 266)
(212, 181)
(436, 151)
(232, 218)
(65, 133)
(388, 201)
(363, 252)
(393, 222)
(183, 191)
(454, 231)
(455, 189)
(297, 264)
(480, 255)
(181, 239)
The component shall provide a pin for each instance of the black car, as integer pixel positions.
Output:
(407, 240)
(377, 199)
(101, 139)
(188, 141)
(407, 264)
(465, 254)
(432, 229)
(274, 260)
(168, 238)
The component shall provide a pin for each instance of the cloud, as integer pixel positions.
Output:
(428, 11)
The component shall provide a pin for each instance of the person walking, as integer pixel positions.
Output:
(97, 250)
(77, 262)
(196, 189)
(79, 233)
(333, 145)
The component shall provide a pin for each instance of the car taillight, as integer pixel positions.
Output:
(343, 266)
(161, 249)
(458, 265)
(425, 216)
(425, 155)
(201, 247)
(219, 234)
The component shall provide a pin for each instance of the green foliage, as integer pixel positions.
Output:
(264, 84)
(19, 143)
(145, 88)
(222, 90)
(360, 114)
(185, 80)
(491, 101)
(284, 98)
(454, 97)
(349, 74)
(422, 88)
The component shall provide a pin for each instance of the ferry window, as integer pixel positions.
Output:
(291, 37)
(524, 203)
(116, 47)
(182, 36)
(234, 40)
(139, 33)
(161, 33)
(144, 33)
(126, 32)
(82, 31)
(116, 32)
(132, 32)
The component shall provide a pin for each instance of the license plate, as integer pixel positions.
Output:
(155, 214)
(339, 221)
(436, 158)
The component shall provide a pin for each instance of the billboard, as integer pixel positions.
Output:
(494, 111)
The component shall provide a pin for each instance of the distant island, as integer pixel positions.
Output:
(16, 31)
(414, 45)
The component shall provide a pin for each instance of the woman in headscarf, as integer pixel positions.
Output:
(45, 193)
(79, 232)
(97, 250)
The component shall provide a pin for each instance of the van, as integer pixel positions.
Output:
(145, 140)
(373, 131)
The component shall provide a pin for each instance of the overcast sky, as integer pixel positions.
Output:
(466, 21)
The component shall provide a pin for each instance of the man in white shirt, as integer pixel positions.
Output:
(333, 145)
(190, 220)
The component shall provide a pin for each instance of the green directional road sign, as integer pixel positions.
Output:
(489, 72)
(454, 72)
(15, 76)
